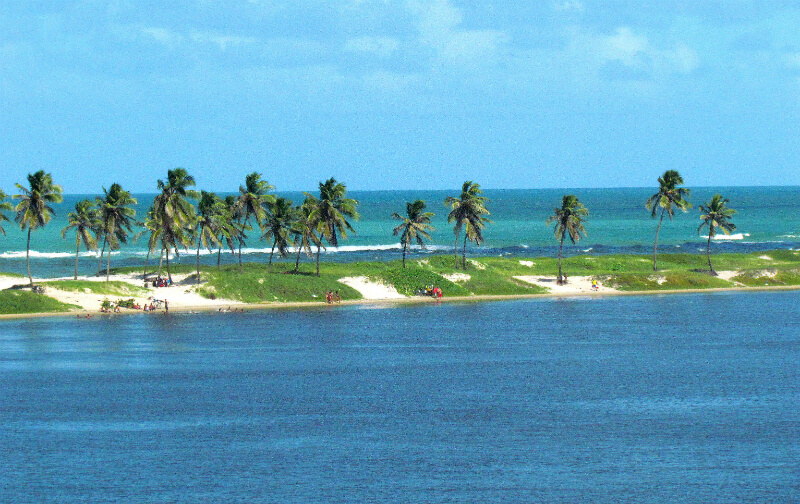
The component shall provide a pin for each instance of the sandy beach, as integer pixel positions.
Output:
(182, 296)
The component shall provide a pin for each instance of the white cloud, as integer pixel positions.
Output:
(624, 46)
(439, 24)
(569, 6)
(379, 46)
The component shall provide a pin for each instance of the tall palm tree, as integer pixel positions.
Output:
(211, 223)
(176, 213)
(236, 231)
(153, 226)
(467, 211)
(716, 214)
(331, 212)
(253, 197)
(415, 226)
(85, 221)
(304, 230)
(668, 198)
(4, 205)
(34, 210)
(569, 221)
(116, 217)
(277, 225)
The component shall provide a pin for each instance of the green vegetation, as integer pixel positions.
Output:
(15, 302)
(112, 288)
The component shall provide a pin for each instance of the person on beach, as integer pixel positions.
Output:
(166, 306)
(594, 285)
(337, 297)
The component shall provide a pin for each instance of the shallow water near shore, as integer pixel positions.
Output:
(675, 398)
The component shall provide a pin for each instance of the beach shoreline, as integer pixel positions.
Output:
(225, 306)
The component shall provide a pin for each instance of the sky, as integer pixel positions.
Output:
(400, 94)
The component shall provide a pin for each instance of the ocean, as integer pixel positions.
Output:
(683, 398)
(768, 218)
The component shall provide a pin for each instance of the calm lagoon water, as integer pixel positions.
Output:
(671, 398)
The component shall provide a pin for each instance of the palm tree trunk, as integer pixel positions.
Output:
(219, 256)
(77, 251)
(319, 246)
(169, 275)
(160, 261)
(146, 260)
(272, 252)
(560, 249)
(100, 257)
(198, 261)
(28, 257)
(405, 247)
(455, 252)
(708, 251)
(108, 264)
(464, 254)
(297, 261)
(655, 244)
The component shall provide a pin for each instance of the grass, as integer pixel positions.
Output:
(14, 302)
(112, 288)
(258, 283)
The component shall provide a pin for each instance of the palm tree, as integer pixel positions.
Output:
(34, 210)
(467, 211)
(211, 223)
(116, 218)
(331, 212)
(277, 225)
(415, 226)
(569, 220)
(668, 198)
(153, 226)
(176, 215)
(4, 205)
(304, 230)
(236, 231)
(716, 214)
(253, 197)
(85, 221)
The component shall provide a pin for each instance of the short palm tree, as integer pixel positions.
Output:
(253, 197)
(211, 224)
(415, 226)
(304, 230)
(569, 221)
(716, 214)
(277, 225)
(468, 212)
(34, 210)
(331, 212)
(668, 198)
(4, 205)
(85, 221)
(116, 218)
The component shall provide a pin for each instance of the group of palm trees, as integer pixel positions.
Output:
(569, 219)
(173, 223)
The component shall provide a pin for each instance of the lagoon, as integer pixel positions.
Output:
(673, 398)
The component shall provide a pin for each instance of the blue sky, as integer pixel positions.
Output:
(405, 94)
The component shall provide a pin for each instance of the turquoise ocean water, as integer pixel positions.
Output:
(768, 218)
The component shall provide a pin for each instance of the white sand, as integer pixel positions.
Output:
(181, 295)
(574, 285)
(370, 289)
(456, 277)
